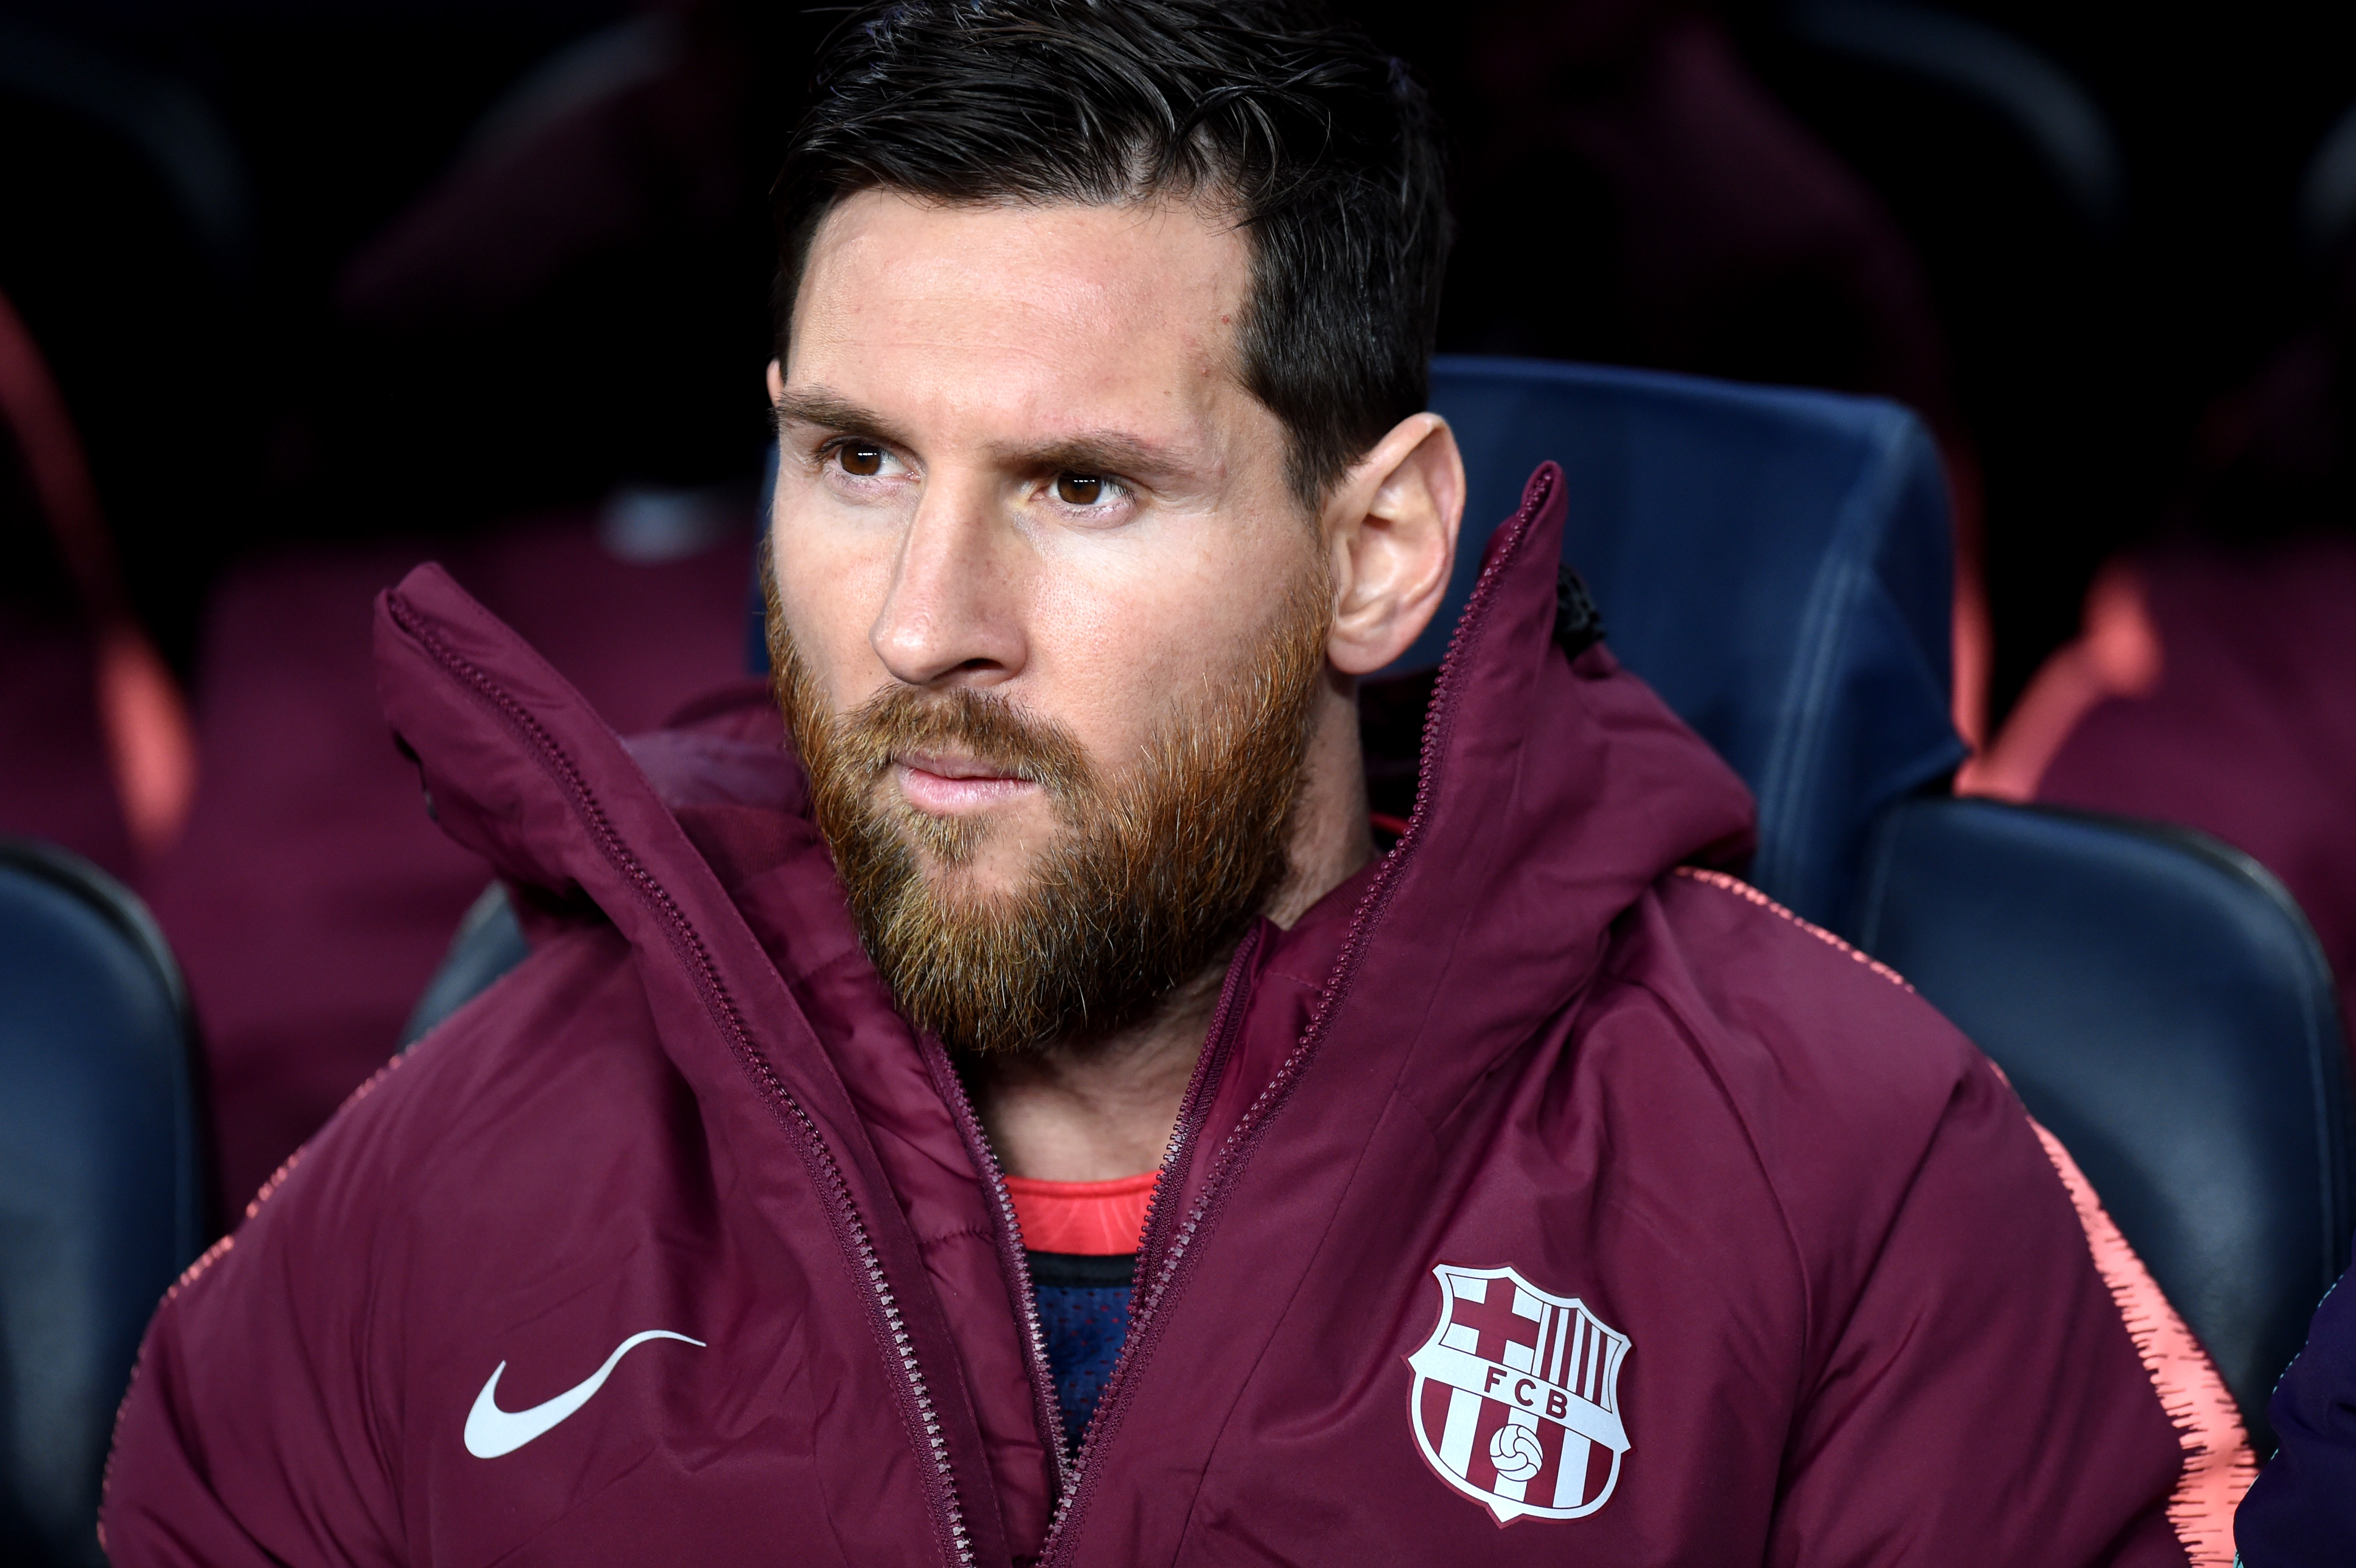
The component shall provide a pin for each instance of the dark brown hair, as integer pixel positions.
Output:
(1321, 146)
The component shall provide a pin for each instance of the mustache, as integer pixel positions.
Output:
(867, 740)
(1158, 865)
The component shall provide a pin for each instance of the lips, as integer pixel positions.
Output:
(949, 785)
(953, 767)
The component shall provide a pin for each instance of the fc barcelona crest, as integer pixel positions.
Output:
(1517, 1397)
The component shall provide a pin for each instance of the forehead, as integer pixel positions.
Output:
(1064, 313)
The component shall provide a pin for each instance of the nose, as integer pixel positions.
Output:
(951, 617)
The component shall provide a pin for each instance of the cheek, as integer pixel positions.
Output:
(1130, 652)
(831, 583)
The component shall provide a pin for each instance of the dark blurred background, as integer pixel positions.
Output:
(318, 289)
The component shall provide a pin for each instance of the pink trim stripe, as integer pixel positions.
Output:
(2217, 1465)
(1749, 894)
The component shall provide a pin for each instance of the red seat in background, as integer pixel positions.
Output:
(310, 896)
(2215, 687)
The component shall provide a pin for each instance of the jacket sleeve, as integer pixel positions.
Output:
(1981, 1397)
(248, 1436)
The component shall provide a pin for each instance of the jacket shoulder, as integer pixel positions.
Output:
(1955, 1310)
(1822, 1025)
(558, 1043)
(1849, 1090)
(260, 1418)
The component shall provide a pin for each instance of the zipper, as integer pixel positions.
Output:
(1226, 1024)
(1011, 1260)
(917, 1408)
(1168, 1254)
(1192, 1108)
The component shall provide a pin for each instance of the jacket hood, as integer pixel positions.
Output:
(1551, 791)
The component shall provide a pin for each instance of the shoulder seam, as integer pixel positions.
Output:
(1749, 894)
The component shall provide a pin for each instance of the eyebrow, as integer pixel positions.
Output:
(1089, 452)
(1102, 452)
(829, 410)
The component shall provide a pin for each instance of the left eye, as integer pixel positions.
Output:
(1079, 489)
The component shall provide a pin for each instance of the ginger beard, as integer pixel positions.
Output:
(1154, 869)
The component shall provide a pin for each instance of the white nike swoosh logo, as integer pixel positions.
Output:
(491, 1432)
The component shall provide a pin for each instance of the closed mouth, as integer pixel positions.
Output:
(952, 786)
(945, 766)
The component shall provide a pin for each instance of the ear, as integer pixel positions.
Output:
(1390, 528)
(777, 382)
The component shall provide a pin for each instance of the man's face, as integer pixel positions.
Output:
(1049, 613)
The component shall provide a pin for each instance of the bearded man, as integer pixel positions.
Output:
(1003, 1101)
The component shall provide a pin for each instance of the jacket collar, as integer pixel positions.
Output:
(1552, 792)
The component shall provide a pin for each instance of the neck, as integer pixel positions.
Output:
(1104, 1108)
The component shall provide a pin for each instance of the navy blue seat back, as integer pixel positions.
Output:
(488, 942)
(1777, 564)
(101, 1191)
(2161, 1006)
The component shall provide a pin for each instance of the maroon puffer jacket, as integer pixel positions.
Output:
(1523, 1182)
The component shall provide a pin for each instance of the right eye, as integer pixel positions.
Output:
(862, 458)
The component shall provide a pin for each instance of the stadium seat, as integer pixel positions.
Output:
(488, 942)
(2010, 183)
(1776, 563)
(2015, 86)
(2161, 1006)
(121, 184)
(101, 1191)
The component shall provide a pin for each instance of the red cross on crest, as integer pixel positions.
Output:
(1494, 1324)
